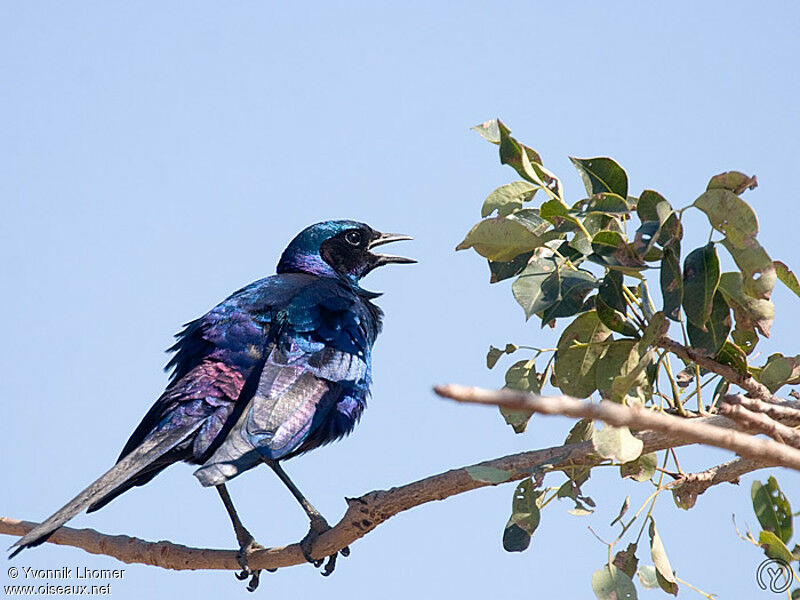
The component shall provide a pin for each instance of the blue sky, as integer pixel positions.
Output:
(156, 157)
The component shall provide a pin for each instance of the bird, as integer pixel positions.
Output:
(280, 367)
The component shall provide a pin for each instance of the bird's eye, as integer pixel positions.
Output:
(353, 237)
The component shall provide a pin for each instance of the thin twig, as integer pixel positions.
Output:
(746, 382)
(690, 486)
(784, 412)
(761, 423)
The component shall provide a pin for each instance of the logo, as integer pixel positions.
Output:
(774, 575)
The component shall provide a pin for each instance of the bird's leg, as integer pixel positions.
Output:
(247, 543)
(317, 527)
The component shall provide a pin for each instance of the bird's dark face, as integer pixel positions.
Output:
(343, 248)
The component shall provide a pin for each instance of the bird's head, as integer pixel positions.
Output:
(339, 249)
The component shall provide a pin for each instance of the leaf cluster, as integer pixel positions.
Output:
(587, 262)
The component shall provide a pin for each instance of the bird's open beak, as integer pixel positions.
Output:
(387, 238)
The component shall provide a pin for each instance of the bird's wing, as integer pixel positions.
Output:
(234, 333)
(319, 359)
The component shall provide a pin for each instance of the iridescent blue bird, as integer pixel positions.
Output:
(279, 368)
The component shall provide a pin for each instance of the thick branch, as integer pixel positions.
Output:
(746, 382)
(362, 516)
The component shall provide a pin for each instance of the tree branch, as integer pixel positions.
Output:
(370, 510)
(783, 412)
(690, 431)
(760, 423)
(746, 382)
(689, 487)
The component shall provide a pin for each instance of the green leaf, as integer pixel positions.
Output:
(758, 272)
(625, 560)
(501, 239)
(611, 305)
(515, 538)
(488, 474)
(573, 287)
(700, 280)
(618, 360)
(522, 376)
(671, 283)
(504, 270)
(772, 508)
(746, 340)
(517, 419)
(720, 391)
(614, 251)
(614, 320)
(731, 215)
(644, 242)
(524, 160)
(602, 174)
(524, 519)
(710, 338)
(626, 504)
(514, 154)
(780, 370)
(665, 575)
(611, 291)
(641, 469)
(529, 217)
(582, 431)
(648, 308)
(607, 203)
(617, 443)
(653, 207)
(632, 374)
(654, 331)
(648, 207)
(787, 277)
(493, 356)
(559, 214)
(508, 198)
(530, 289)
(733, 356)
(750, 313)
(581, 243)
(610, 583)
(733, 181)
(489, 131)
(774, 547)
(576, 367)
(544, 177)
(647, 577)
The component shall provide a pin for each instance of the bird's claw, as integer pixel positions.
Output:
(318, 527)
(243, 557)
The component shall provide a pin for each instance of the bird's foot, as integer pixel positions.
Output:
(243, 558)
(318, 527)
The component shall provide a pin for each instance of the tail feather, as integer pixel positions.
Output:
(141, 478)
(137, 461)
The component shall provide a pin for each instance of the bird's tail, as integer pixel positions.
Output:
(150, 450)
